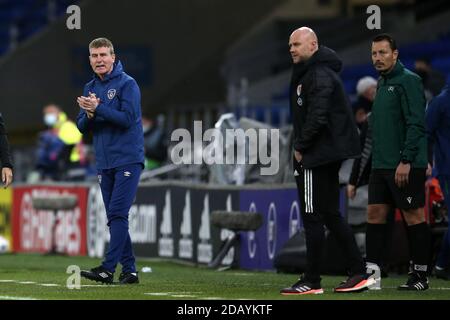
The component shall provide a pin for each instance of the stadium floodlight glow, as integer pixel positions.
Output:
(251, 145)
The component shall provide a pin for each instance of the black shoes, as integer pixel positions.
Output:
(128, 278)
(303, 286)
(98, 274)
(356, 283)
(102, 275)
(416, 282)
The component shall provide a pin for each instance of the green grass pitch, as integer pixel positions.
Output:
(34, 276)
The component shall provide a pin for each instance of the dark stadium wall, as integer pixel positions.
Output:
(173, 48)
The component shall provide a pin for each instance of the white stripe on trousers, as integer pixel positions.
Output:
(308, 191)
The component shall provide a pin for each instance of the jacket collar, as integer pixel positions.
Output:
(398, 69)
(116, 71)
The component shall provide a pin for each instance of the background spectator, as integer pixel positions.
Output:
(155, 142)
(60, 147)
(433, 80)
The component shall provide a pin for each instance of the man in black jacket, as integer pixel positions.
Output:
(324, 135)
(5, 156)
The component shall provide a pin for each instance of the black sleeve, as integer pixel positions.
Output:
(354, 175)
(4, 146)
(319, 96)
(355, 172)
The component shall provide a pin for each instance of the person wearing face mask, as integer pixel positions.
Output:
(60, 149)
(155, 142)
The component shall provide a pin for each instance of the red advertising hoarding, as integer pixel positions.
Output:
(35, 231)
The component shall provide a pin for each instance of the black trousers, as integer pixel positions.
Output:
(318, 190)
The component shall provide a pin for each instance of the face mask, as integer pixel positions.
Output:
(50, 119)
(146, 127)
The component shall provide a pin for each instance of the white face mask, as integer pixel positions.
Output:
(50, 119)
(146, 128)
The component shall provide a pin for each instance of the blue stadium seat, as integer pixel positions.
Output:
(350, 85)
(3, 48)
(30, 16)
(441, 63)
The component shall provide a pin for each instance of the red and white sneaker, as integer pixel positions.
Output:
(356, 283)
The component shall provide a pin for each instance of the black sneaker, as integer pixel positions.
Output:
(356, 283)
(303, 286)
(415, 282)
(128, 278)
(98, 274)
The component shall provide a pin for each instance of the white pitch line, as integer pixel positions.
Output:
(173, 294)
(431, 288)
(98, 285)
(16, 298)
(156, 293)
(51, 284)
(30, 282)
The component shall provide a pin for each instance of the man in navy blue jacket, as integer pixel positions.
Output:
(438, 127)
(111, 109)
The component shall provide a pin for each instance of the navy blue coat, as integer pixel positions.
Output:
(117, 125)
(438, 129)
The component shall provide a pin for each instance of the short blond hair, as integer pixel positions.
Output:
(100, 43)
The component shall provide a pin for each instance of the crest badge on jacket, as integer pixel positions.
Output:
(111, 93)
(299, 92)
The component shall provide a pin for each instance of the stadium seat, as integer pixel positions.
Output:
(30, 16)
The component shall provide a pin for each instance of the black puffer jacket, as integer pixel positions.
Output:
(5, 156)
(324, 127)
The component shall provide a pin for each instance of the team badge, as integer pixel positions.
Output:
(111, 93)
(299, 92)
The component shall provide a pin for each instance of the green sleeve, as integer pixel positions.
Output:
(413, 109)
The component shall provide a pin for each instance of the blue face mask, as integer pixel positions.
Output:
(50, 119)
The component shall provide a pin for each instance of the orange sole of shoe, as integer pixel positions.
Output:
(360, 286)
(317, 291)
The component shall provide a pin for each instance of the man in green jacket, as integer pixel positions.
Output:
(399, 159)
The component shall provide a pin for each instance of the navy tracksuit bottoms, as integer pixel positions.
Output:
(119, 186)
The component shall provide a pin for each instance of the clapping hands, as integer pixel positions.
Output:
(89, 104)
